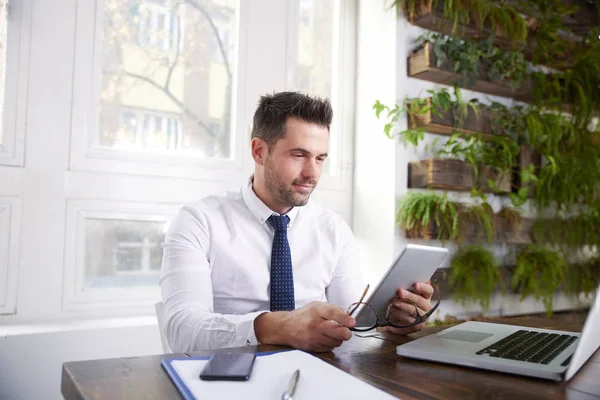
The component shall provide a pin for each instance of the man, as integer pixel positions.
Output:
(265, 265)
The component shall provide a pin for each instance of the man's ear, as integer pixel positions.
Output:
(259, 150)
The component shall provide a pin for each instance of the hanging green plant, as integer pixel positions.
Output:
(476, 221)
(551, 44)
(422, 212)
(474, 275)
(583, 278)
(510, 217)
(539, 272)
(575, 231)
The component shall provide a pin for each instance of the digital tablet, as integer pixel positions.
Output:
(415, 263)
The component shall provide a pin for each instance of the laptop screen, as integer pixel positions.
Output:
(589, 340)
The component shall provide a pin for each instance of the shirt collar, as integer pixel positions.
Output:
(259, 209)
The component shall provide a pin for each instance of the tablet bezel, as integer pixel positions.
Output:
(415, 263)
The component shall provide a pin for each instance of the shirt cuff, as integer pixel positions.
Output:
(246, 329)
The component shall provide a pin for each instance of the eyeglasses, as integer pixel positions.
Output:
(372, 320)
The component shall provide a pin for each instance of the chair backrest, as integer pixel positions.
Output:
(163, 338)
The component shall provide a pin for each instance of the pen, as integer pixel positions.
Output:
(289, 393)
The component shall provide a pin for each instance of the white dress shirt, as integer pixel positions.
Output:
(216, 267)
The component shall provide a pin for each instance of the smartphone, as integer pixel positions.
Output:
(225, 366)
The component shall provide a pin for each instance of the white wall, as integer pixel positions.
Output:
(374, 158)
(31, 364)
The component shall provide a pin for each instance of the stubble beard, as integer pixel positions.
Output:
(282, 193)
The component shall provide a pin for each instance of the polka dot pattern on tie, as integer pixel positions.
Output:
(282, 275)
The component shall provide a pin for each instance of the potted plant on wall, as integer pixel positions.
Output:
(474, 275)
(539, 271)
(583, 278)
(427, 215)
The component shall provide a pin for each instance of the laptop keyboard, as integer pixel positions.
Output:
(535, 347)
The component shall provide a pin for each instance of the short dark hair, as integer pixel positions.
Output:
(274, 110)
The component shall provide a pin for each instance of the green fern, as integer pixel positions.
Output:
(420, 211)
(539, 272)
(474, 275)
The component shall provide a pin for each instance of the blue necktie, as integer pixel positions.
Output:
(282, 275)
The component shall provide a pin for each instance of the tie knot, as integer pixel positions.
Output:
(279, 222)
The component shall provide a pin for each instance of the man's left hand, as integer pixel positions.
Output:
(403, 313)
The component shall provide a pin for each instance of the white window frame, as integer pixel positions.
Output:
(75, 298)
(339, 174)
(10, 223)
(12, 152)
(87, 155)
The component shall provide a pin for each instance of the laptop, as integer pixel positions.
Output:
(541, 353)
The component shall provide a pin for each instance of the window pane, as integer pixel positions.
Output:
(171, 63)
(120, 253)
(315, 46)
(316, 61)
(3, 45)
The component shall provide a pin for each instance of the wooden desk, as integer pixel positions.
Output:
(370, 357)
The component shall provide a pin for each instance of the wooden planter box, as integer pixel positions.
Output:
(472, 232)
(433, 19)
(454, 175)
(427, 233)
(519, 234)
(422, 64)
(444, 122)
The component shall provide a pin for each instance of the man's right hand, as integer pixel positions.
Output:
(316, 327)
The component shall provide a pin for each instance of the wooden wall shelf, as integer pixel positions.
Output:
(433, 19)
(422, 64)
(473, 232)
(454, 175)
(443, 124)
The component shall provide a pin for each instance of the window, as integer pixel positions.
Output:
(144, 130)
(113, 252)
(316, 69)
(122, 253)
(14, 53)
(221, 40)
(3, 44)
(317, 42)
(158, 25)
(185, 87)
(183, 84)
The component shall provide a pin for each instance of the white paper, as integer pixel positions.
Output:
(270, 379)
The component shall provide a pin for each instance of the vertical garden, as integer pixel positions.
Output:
(542, 152)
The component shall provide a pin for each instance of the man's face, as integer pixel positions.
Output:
(294, 164)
